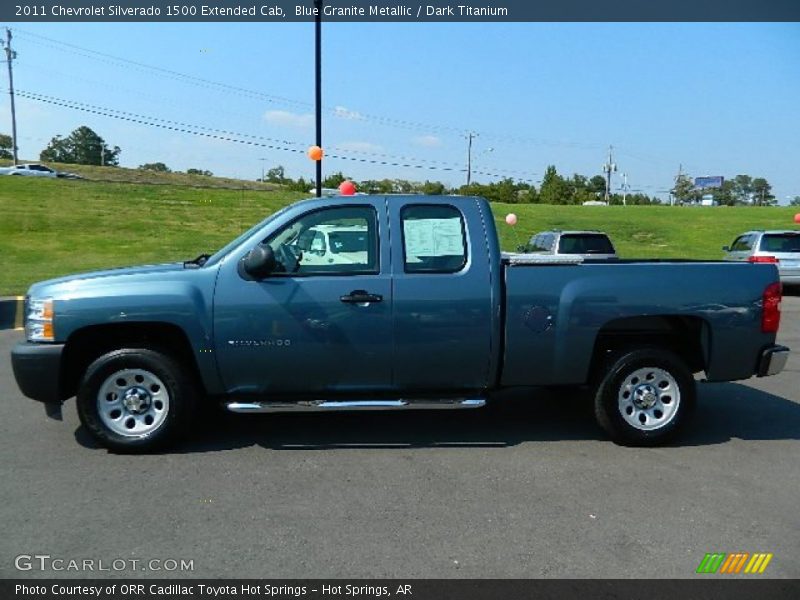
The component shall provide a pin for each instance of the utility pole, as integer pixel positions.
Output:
(11, 55)
(318, 85)
(470, 136)
(678, 178)
(609, 168)
(624, 189)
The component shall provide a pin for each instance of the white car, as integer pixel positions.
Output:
(589, 245)
(334, 244)
(781, 247)
(35, 170)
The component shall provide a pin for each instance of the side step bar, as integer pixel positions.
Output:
(348, 405)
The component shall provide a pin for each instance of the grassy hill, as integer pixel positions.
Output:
(125, 175)
(56, 227)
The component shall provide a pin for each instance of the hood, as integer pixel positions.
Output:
(69, 283)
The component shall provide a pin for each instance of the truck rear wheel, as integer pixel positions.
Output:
(646, 396)
(135, 400)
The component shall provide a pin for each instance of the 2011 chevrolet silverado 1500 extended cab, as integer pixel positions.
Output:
(409, 304)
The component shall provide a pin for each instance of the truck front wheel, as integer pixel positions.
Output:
(646, 396)
(135, 400)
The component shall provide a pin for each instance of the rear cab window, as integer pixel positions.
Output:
(434, 239)
(585, 243)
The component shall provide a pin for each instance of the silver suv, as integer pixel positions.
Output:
(593, 245)
(779, 247)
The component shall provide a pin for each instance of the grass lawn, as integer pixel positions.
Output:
(51, 227)
(56, 227)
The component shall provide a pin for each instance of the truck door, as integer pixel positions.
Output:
(442, 297)
(322, 322)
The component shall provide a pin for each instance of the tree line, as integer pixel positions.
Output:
(85, 147)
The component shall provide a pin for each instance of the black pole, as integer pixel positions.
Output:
(318, 83)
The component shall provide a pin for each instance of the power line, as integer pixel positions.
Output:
(225, 132)
(223, 135)
(253, 94)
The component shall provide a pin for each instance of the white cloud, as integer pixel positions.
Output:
(429, 141)
(359, 147)
(289, 119)
(345, 113)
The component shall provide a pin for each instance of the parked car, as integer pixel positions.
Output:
(594, 245)
(781, 247)
(425, 313)
(36, 170)
(29, 170)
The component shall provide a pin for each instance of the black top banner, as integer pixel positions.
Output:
(410, 589)
(398, 10)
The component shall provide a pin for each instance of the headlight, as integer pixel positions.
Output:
(39, 320)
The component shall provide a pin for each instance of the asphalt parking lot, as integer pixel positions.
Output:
(528, 489)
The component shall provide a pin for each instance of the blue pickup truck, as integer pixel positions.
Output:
(390, 302)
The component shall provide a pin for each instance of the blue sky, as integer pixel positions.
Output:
(721, 99)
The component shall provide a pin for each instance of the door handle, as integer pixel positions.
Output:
(361, 297)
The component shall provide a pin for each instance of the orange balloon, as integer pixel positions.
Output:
(315, 153)
(797, 218)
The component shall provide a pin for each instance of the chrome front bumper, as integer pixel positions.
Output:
(773, 360)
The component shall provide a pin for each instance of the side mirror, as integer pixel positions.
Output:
(726, 248)
(259, 262)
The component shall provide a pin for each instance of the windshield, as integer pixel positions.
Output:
(585, 243)
(781, 242)
(348, 241)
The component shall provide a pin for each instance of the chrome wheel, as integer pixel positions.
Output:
(649, 398)
(133, 402)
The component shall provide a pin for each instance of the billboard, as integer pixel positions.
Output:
(702, 183)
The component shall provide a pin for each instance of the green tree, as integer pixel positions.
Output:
(5, 146)
(554, 189)
(597, 185)
(276, 175)
(433, 188)
(199, 172)
(795, 201)
(81, 147)
(743, 189)
(684, 189)
(762, 192)
(725, 194)
(301, 185)
(158, 167)
(333, 181)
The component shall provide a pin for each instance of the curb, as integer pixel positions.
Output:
(11, 309)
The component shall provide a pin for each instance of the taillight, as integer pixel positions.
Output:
(771, 310)
(763, 259)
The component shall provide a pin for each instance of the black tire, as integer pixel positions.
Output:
(178, 399)
(631, 420)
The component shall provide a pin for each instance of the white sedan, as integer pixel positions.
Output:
(34, 170)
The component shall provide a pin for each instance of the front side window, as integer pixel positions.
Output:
(328, 242)
(539, 243)
(433, 239)
(741, 244)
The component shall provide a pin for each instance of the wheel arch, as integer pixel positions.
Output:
(87, 344)
(689, 337)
